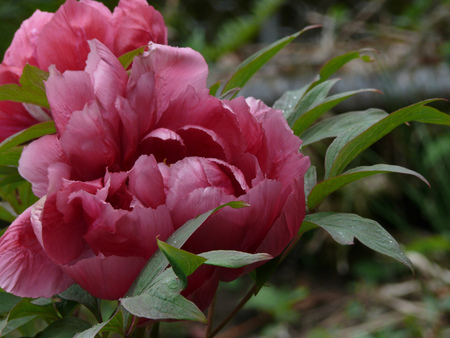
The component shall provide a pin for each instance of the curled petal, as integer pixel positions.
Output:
(137, 24)
(146, 182)
(26, 269)
(67, 93)
(37, 158)
(164, 144)
(23, 47)
(63, 42)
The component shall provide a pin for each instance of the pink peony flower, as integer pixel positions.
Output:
(61, 39)
(134, 158)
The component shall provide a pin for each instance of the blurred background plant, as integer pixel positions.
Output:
(324, 289)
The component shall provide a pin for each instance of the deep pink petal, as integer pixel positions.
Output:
(37, 158)
(26, 270)
(236, 229)
(137, 24)
(67, 93)
(146, 182)
(204, 142)
(196, 173)
(288, 223)
(175, 70)
(13, 118)
(64, 40)
(23, 47)
(164, 144)
(60, 236)
(132, 235)
(90, 144)
(106, 277)
(142, 99)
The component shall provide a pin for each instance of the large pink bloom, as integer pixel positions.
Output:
(61, 39)
(137, 156)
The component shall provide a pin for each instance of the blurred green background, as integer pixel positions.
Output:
(323, 289)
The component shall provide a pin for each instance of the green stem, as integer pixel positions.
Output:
(155, 330)
(211, 311)
(241, 304)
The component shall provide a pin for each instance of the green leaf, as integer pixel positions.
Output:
(11, 156)
(309, 117)
(355, 142)
(345, 227)
(183, 263)
(328, 186)
(11, 178)
(339, 124)
(289, 100)
(252, 64)
(311, 99)
(127, 58)
(33, 132)
(310, 180)
(262, 273)
(8, 301)
(31, 88)
(214, 88)
(233, 259)
(78, 294)
(338, 62)
(25, 312)
(162, 301)
(114, 324)
(64, 328)
(158, 262)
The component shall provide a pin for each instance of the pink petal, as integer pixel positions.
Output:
(165, 145)
(175, 70)
(286, 227)
(106, 277)
(63, 41)
(67, 93)
(146, 182)
(90, 144)
(137, 24)
(23, 47)
(25, 269)
(108, 77)
(36, 159)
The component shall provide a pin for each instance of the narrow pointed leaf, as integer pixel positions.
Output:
(345, 153)
(114, 324)
(233, 259)
(127, 58)
(339, 124)
(289, 100)
(79, 295)
(338, 62)
(158, 262)
(326, 187)
(8, 301)
(310, 100)
(31, 133)
(11, 156)
(308, 118)
(31, 88)
(182, 262)
(24, 312)
(66, 327)
(345, 227)
(310, 180)
(214, 88)
(252, 64)
(162, 301)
